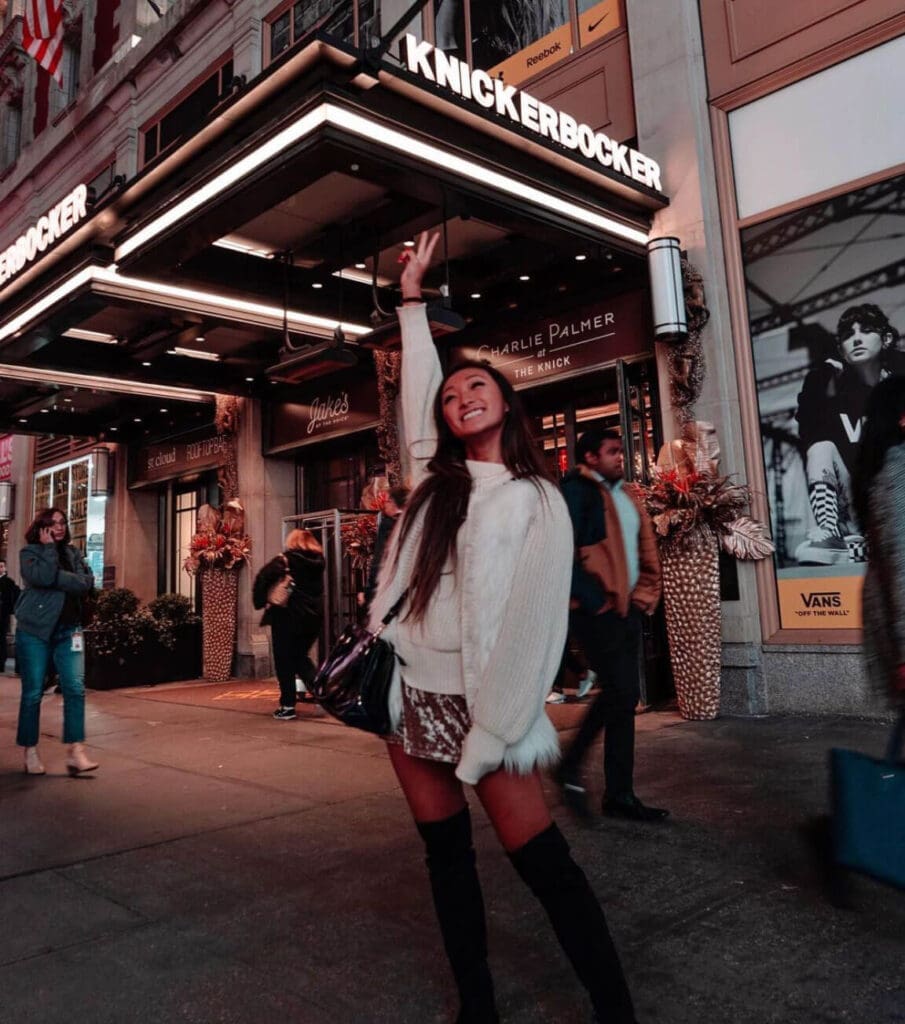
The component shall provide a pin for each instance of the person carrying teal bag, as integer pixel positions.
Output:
(869, 793)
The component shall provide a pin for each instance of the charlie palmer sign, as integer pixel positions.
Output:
(49, 227)
(559, 346)
(521, 107)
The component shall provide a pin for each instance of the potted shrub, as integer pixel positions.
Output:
(118, 643)
(178, 633)
(130, 645)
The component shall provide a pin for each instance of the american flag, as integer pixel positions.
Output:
(42, 35)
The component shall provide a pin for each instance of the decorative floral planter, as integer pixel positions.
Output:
(691, 595)
(219, 592)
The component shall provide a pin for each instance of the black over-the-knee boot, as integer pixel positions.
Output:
(460, 911)
(546, 866)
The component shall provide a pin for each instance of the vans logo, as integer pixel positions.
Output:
(822, 599)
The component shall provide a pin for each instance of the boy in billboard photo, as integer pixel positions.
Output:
(830, 415)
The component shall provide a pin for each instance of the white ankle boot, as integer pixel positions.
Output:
(77, 761)
(33, 764)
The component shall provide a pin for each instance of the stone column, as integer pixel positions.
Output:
(673, 121)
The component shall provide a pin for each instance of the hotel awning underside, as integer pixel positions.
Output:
(276, 219)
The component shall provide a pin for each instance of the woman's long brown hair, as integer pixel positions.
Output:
(449, 481)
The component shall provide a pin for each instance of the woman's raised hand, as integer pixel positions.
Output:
(417, 260)
(45, 535)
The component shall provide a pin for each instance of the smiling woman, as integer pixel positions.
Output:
(481, 568)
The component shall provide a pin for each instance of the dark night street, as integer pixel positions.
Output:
(225, 867)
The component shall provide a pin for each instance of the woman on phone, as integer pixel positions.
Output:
(49, 633)
(484, 555)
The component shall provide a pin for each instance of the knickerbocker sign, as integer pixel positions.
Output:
(49, 227)
(523, 109)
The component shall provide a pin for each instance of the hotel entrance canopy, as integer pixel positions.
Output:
(283, 219)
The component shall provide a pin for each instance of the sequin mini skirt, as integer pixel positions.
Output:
(433, 725)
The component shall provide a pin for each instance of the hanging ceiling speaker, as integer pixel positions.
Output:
(389, 336)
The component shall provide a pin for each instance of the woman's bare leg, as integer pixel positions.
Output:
(515, 805)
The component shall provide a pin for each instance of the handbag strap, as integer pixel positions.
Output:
(392, 613)
(896, 739)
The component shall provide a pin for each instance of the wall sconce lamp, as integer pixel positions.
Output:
(101, 482)
(7, 501)
(664, 262)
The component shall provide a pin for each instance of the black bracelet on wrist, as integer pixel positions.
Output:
(411, 300)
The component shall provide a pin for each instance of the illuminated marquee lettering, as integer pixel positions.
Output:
(523, 109)
(49, 227)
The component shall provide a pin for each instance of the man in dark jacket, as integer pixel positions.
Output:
(615, 580)
(9, 594)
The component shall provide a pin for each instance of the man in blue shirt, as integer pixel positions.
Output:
(616, 579)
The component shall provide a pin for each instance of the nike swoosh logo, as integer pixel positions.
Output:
(598, 22)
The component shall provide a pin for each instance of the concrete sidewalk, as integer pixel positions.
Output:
(223, 867)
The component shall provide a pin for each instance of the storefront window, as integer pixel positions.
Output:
(68, 487)
(826, 295)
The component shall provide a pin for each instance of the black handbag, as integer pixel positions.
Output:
(353, 682)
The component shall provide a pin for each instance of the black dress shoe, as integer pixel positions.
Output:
(573, 793)
(632, 809)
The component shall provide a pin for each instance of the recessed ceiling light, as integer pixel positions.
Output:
(524, 277)
(581, 256)
(475, 295)
(164, 410)
(23, 421)
(316, 284)
(137, 419)
(67, 399)
(114, 429)
(361, 266)
(249, 379)
(45, 410)
(146, 364)
(199, 337)
(409, 244)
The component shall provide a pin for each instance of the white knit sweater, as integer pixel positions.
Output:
(496, 627)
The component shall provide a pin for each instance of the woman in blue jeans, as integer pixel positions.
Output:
(49, 631)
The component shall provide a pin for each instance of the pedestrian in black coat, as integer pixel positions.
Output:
(295, 626)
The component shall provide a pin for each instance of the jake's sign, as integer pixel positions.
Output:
(564, 345)
(323, 411)
(523, 109)
(49, 227)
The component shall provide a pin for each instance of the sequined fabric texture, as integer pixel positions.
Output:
(433, 725)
